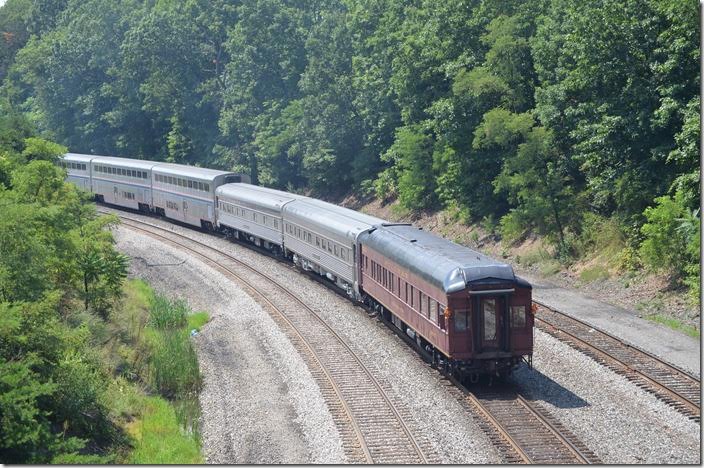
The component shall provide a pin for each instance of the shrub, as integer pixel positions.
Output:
(511, 227)
(665, 245)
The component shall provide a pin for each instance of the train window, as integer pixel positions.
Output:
(421, 303)
(413, 293)
(460, 320)
(343, 254)
(276, 224)
(518, 316)
(207, 187)
(489, 318)
(335, 249)
(317, 241)
(310, 238)
(254, 216)
(441, 316)
(433, 308)
(398, 291)
(200, 186)
(190, 184)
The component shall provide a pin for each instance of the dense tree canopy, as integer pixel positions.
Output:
(534, 111)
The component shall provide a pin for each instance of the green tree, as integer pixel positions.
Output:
(537, 182)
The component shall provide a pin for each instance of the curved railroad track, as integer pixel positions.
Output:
(374, 428)
(670, 384)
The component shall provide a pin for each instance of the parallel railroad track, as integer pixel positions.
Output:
(373, 426)
(674, 386)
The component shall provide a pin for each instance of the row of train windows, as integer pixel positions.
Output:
(488, 309)
(73, 165)
(185, 183)
(249, 214)
(122, 172)
(128, 195)
(415, 298)
(171, 205)
(320, 242)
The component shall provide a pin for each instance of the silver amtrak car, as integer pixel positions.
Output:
(253, 213)
(121, 181)
(78, 169)
(323, 238)
(187, 193)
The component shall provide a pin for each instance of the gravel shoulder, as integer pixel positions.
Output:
(621, 423)
(618, 420)
(259, 402)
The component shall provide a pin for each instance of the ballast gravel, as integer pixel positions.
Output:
(621, 423)
(259, 402)
(617, 420)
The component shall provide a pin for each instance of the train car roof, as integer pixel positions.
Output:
(78, 157)
(124, 162)
(256, 195)
(190, 171)
(449, 266)
(341, 220)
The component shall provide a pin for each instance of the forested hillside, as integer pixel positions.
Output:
(544, 117)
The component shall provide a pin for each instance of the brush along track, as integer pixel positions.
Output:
(674, 386)
(373, 428)
(521, 431)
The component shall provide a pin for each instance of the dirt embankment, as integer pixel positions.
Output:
(646, 293)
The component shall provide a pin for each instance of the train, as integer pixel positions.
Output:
(469, 314)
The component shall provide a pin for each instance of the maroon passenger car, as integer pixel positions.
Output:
(470, 312)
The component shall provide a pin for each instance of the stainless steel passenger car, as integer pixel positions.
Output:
(323, 238)
(187, 193)
(78, 169)
(253, 213)
(122, 181)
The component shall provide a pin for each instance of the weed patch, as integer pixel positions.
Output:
(595, 273)
(159, 437)
(675, 324)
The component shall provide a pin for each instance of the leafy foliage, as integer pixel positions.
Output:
(531, 113)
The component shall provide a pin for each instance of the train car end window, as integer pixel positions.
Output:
(518, 316)
(460, 320)
(207, 187)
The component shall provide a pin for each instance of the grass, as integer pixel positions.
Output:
(159, 437)
(155, 395)
(197, 320)
(674, 324)
(597, 272)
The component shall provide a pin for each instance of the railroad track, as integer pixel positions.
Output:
(670, 384)
(522, 432)
(373, 426)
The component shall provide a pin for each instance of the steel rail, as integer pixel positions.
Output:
(565, 441)
(391, 406)
(628, 368)
(499, 427)
(660, 361)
